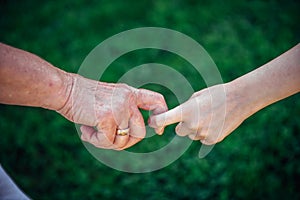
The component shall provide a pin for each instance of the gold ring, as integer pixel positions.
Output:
(123, 132)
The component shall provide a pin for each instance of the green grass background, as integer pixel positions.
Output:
(260, 160)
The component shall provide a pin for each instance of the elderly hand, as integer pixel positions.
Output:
(105, 108)
(209, 115)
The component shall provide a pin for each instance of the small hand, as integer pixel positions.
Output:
(104, 108)
(209, 115)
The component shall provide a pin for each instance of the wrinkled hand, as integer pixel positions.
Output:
(209, 115)
(102, 108)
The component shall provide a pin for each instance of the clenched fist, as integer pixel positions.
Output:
(104, 108)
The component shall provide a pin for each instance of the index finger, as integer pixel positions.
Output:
(167, 118)
(149, 100)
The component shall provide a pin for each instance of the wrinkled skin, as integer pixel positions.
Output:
(102, 108)
(28, 80)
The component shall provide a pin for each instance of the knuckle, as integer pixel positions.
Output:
(202, 135)
(193, 137)
(160, 97)
(180, 130)
(142, 134)
(123, 85)
(96, 144)
(196, 94)
(194, 126)
(126, 88)
(209, 139)
(193, 96)
(84, 138)
(123, 88)
(106, 114)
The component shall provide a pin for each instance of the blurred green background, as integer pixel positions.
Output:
(260, 160)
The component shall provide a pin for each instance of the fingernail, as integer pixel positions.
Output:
(159, 131)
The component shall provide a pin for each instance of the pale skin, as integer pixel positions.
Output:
(211, 120)
(101, 108)
(28, 80)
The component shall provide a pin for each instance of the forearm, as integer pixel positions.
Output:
(272, 82)
(26, 79)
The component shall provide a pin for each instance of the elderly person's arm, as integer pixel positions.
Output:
(101, 108)
(206, 118)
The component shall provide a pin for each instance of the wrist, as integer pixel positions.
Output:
(244, 101)
(63, 84)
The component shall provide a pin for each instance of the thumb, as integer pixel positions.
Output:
(149, 100)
